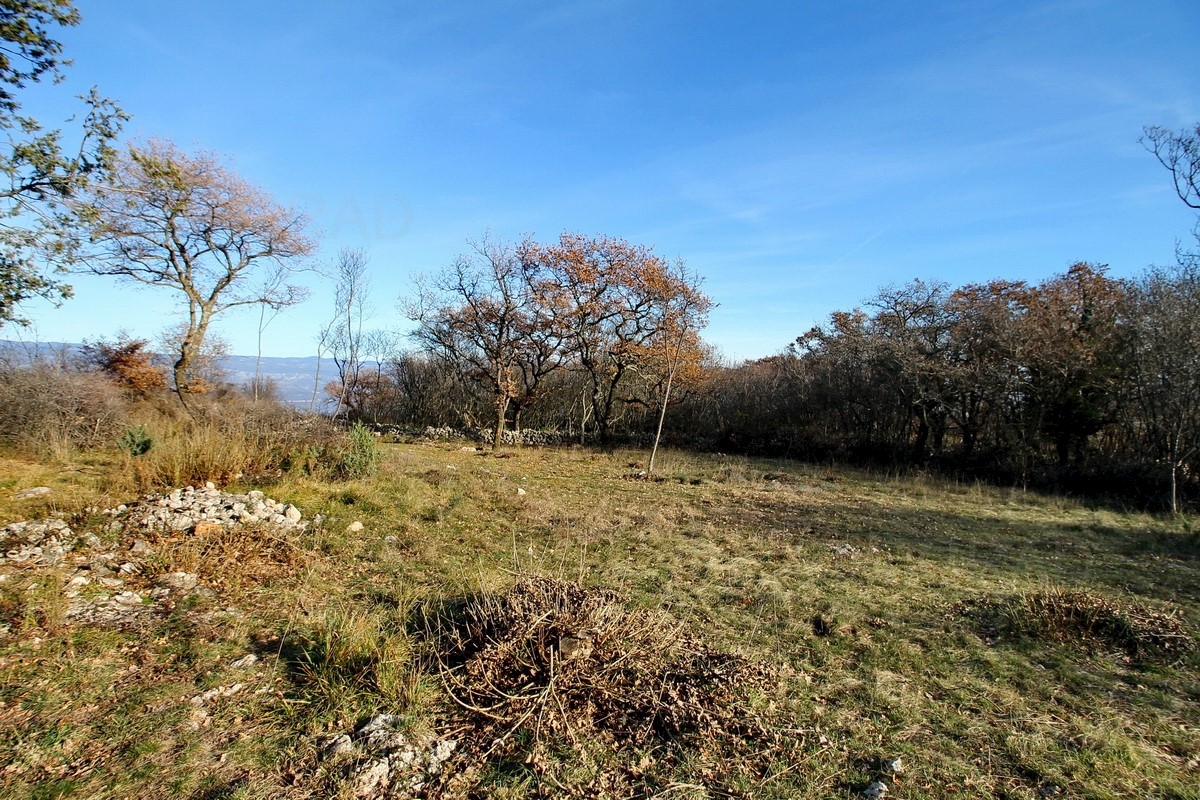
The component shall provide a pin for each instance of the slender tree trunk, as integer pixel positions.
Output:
(1174, 474)
(501, 413)
(262, 312)
(312, 402)
(662, 415)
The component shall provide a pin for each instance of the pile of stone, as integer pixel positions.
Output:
(183, 509)
(98, 570)
(44, 541)
(390, 758)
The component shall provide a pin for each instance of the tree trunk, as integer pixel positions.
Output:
(662, 415)
(921, 444)
(1174, 475)
(501, 413)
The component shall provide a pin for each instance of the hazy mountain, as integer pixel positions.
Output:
(293, 377)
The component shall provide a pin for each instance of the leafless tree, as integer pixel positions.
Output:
(485, 315)
(1165, 315)
(344, 334)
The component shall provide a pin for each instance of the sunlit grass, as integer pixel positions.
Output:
(745, 551)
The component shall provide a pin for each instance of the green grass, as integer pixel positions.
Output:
(741, 550)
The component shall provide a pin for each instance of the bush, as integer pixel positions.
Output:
(361, 458)
(136, 441)
(47, 409)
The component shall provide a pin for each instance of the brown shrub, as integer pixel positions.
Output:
(47, 409)
(127, 363)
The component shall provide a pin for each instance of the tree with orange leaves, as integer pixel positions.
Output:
(622, 308)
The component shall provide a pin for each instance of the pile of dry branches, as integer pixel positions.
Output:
(590, 694)
(1066, 614)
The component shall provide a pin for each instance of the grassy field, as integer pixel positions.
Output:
(1001, 644)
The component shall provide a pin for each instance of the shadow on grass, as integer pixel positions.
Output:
(1149, 560)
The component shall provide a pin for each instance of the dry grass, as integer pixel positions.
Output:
(742, 554)
(1088, 618)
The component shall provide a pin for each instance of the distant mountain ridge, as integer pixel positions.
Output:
(293, 376)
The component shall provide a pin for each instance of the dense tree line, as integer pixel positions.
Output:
(1081, 381)
(1074, 381)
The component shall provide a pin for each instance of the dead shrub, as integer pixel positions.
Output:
(1075, 615)
(597, 698)
(47, 409)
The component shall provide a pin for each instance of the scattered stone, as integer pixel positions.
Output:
(36, 542)
(520, 492)
(292, 514)
(372, 778)
(875, 789)
(401, 761)
(197, 717)
(210, 486)
(378, 730)
(893, 766)
(181, 582)
(844, 550)
(141, 548)
(78, 582)
(354, 527)
(338, 745)
(467, 449)
(124, 608)
(213, 694)
(36, 491)
(245, 662)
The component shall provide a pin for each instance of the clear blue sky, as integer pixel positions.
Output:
(799, 155)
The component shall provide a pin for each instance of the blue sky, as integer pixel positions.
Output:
(798, 155)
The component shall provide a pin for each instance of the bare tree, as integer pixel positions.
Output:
(186, 223)
(1165, 316)
(485, 315)
(677, 336)
(344, 334)
(1179, 152)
